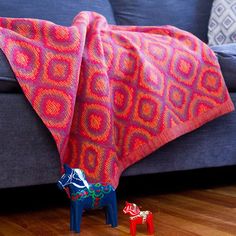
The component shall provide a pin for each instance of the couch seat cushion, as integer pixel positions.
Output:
(227, 58)
(8, 83)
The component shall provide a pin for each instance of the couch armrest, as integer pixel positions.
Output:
(226, 55)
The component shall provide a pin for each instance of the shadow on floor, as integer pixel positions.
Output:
(177, 181)
(41, 197)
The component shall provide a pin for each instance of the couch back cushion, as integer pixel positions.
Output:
(58, 11)
(190, 15)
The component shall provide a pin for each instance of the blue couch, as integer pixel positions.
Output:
(28, 154)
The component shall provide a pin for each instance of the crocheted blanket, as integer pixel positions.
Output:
(110, 95)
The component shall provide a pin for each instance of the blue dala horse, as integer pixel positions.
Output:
(87, 196)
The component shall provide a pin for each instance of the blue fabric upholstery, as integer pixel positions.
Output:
(58, 11)
(227, 58)
(8, 83)
(28, 153)
(190, 15)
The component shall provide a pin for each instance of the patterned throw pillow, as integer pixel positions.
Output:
(222, 23)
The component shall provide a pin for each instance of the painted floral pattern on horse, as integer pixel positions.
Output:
(110, 95)
(96, 192)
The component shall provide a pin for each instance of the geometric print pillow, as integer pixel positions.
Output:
(222, 23)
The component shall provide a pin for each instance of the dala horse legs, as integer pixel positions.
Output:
(134, 221)
(77, 208)
(150, 225)
(110, 204)
(76, 211)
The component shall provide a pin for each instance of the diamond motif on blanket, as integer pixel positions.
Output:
(183, 67)
(26, 58)
(147, 110)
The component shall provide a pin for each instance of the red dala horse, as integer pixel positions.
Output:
(138, 217)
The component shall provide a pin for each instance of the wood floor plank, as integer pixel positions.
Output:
(227, 191)
(195, 214)
(8, 228)
(191, 227)
(198, 212)
(201, 215)
(194, 217)
(220, 199)
(201, 207)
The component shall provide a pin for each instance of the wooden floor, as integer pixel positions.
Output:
(183, 204)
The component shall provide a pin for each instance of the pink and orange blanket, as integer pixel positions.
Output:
(110, 95)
